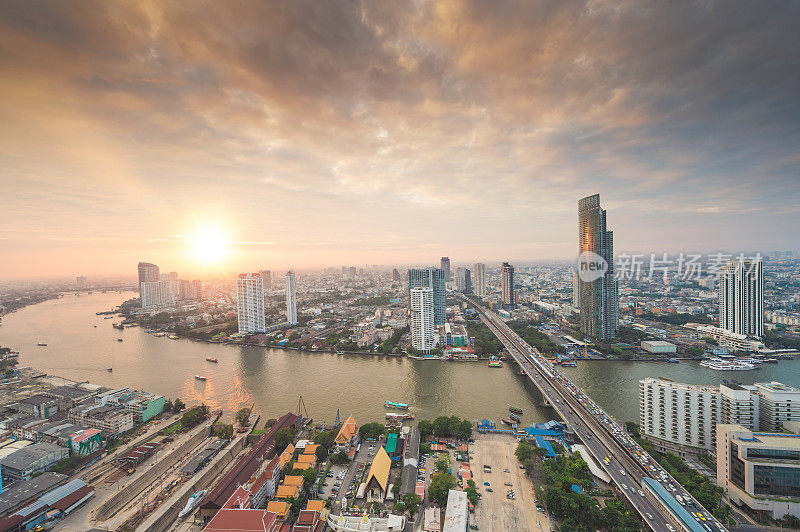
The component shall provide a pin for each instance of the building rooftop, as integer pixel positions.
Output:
(379, 470)
(26, 491)
(23, 458)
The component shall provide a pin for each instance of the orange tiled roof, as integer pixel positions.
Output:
(293, 480)
(347, 431)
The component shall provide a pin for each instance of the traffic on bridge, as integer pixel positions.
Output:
(661, 501)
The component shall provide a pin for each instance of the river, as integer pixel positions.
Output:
(274, 379)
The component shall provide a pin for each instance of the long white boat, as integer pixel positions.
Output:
(727, 365)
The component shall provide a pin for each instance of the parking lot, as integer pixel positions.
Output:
(496, 511)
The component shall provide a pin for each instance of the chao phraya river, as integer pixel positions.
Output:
(274, 379)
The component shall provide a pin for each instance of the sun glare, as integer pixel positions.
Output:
(209, 244)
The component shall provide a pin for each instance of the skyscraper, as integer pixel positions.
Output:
(250, 303)
(599, 297)
(80, 281)
(507, 286)
(741, 297)
(156, 295)
(422, 318)
(395, 275)
(463, 280)
(480, 279)
(148, 273)
(446, 267)
(433, 278)
(266, 278)
(291, 299)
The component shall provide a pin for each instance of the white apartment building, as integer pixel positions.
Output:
(741, 297)
(782, 317)
(480, 279)
(681, 418)
(422, 319)
(677, 417)
(250, 303)
(157, 295)
(291, 299)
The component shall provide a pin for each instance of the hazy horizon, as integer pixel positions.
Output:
(246, 135)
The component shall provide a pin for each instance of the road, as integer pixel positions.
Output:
(593, 427)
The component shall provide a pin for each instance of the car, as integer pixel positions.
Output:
(506, 470)
(521, 466)
(506, 483)
(489, 489)
(622, 472)
(624, 486)
(649, 516)
(540, 508)
(473, 526)
(670, 527)
(486, 484)
(641, 493)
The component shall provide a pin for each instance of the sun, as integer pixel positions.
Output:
(209, 244)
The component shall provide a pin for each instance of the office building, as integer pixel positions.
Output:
(422, 318)
(741, 297)
(291, 299)
(395, 275)
(509, 296)
(463, 280)
(760, 469)
(353, 271)
(80, 282)
(777, 404)
(445, 265)
(157, 295)
(250, 303)
(479, 272)
(598, 294)
(433, 278)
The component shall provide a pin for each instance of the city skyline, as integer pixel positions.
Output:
(127, 136)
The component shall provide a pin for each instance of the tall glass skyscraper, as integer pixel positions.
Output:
(291, 299)
(509, 296)
(445, 264)
(479, 275)
(435, 279)
(599, 297)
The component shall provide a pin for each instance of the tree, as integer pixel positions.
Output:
(309, 476)
(243, 416)
(524, 451)
(443, 462)
(465, 430)
(325, 439)
(283, 438)
(340, 458)
(425, 428)
(178, 405)
(440, 486)
(412, 502)
(268, 423)
(167, 406)
(372, 430)
(225, 432)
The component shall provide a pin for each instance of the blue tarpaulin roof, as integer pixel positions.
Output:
(544, 444)
(576, 488)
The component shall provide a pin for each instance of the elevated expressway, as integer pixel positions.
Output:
(600, 434)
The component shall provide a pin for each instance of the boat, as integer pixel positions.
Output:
(212, 359)
(95, 326)
(515, 409)
(12, 354)
(42, 344)
(200, 377)
(159, 334)
(119, 339)
(192, 503)
(174, 337)
(509, 422)
(770, 361)
(392, 404)
(495, 363)
(395, 416)
(118, 326)
(569, 363)
(672, 360)
(109, 370)
(719, 364)
(515, 417)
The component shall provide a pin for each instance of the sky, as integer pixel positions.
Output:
(235, 136)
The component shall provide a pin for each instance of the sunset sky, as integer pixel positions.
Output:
(318, 133)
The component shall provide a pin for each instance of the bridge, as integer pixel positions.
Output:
(625, 461)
